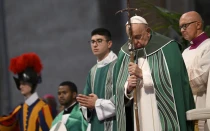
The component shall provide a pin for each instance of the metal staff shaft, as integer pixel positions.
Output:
(132, 60)
(128, 10)
(135, 95)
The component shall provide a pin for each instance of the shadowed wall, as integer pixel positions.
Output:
(58, 31)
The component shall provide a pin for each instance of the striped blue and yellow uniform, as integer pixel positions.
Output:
(36, 117)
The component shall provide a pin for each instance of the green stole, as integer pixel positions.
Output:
(172, 89)
(75, 122)
(100, 83)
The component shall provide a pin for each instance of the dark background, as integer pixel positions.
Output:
(58, 31)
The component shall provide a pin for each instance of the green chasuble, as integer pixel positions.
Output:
(75, 121)
(99, 82)
(172, 90)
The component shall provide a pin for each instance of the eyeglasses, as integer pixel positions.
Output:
(184, 26)
(98, 41)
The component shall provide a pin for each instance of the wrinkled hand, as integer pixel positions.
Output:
(133, 69)
(132, 83)
(87, 101)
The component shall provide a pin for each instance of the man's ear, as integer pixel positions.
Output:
(148, 30)
(109, 44)
(199, 25)
(74, 95)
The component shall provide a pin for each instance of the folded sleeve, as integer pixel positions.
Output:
(104, 109)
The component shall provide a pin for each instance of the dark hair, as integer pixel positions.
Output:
(102, 31)
(70, 84)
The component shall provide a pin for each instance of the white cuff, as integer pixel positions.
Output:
(104, 109)
(128, 95)
(198, 114)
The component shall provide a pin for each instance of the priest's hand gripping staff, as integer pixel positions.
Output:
(131, 50)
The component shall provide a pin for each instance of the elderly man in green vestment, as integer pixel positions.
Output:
(98, 99)
(71, 118)
(160, 78)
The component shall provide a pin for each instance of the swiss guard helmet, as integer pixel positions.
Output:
(28, 68)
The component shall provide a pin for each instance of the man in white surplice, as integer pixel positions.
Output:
(197, 60)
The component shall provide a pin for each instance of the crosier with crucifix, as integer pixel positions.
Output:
(132, 67)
